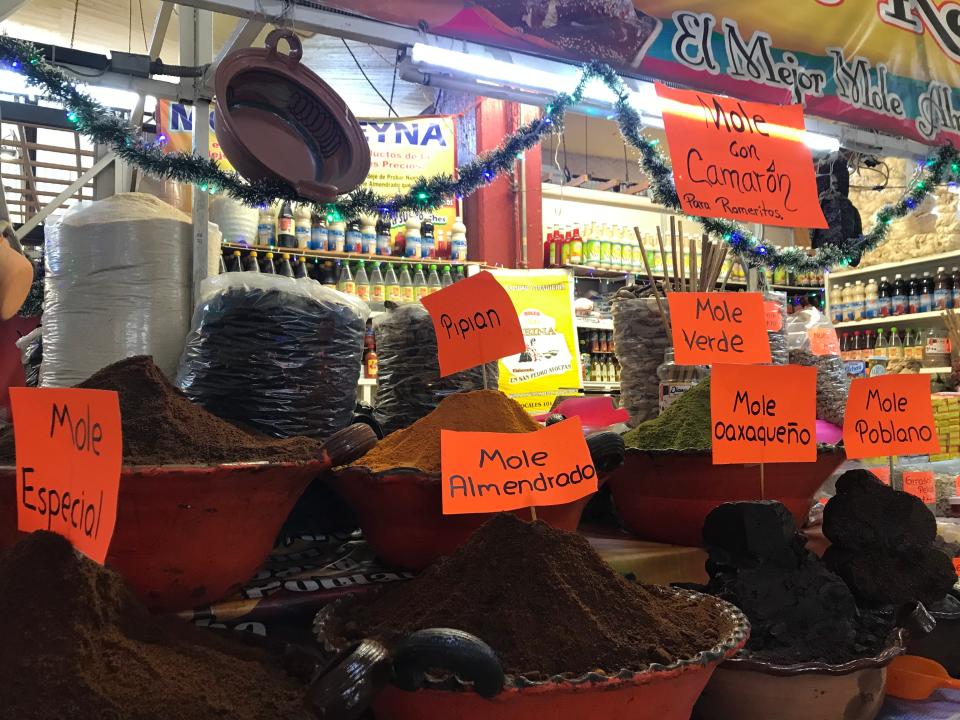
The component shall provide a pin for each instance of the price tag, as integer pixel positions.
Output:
(766, 415)
(475, 322)
(69, 450)
(773, 316)
(889, 415)
(740, 160)
(489, 472)
(921, 484)
(823, 341)
(719, 328)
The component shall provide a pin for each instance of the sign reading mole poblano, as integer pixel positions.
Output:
(489, 472)
(68, 452)
(889, 415)
(740, 160)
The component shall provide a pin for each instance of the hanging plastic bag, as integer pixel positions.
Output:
(279, 355)
(813, 342)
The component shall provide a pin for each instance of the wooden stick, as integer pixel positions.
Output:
(722, 252)
(723, 285)
(694, 275)
(677, 284)
(667, 285)
(706, 262)
(653, 287)
(533, 513)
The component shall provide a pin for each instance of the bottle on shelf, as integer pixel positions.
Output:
(300, 269)
(370, 363)
(880, 347)
(901, 295)
(378, 287)
(446, 279)
(458, 241)
(565, 247)
(368, 235)
(283, 267)
(458, 273)
(267, 266)
(329, 274)
(235, 264)
(943, 290)
(251, 263)
(266, 226)
(384, 241)
(859, 299)
(591, 246)
(362, 282)
(575, 255)
(606, 243)
(935, 351)
(548, 243)
(223, 266)
(428, 242)
(412, 235)
(353, 238)
(846, 302)
(433, 280)
(885, 297)
(616, 249)
(408, 293)
(894, 345)
(318, 232)
(420, 289)
(926, 293)
(913, 294)
(955, 277)
(837, 307)
(345, 283)
(871, 300)
(337, 236)
(392, 284)
(301, 226)
(286, 229)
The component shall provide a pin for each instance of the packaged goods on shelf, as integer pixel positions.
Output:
(280, 355)
(946, 415)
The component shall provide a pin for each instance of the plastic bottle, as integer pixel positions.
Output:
(300, 268)
(848, 302)
(616, 249)
(392, 285)
(859, 300)
(266, 227)
(329, 274)
(433, 280)
(894, 345)
(384, 241)
(284, 267)
(575, 256)
(955, 272)
(370, 364)
(901, 295)
(871, 299)
(378, 287)
(548, 243)
(318, 233)
(286, 229)
(564, 248)
(223, 266)
(353, 239)
(407, 292)
(885, 296)
(420, 289)
(301, 226)
(926, 292)
(880, 348)
(605, 247)
(936, 350)
(412, 246)
(837, 306)
(251, 262)
(362, 282)
(428, 242)
(591, 246)
(458, 273)
(446, 279)
(943, 290)
(345, 282)
(267, 266)
(368, 235)
(235, 264)
(913, 294)
(458, 241)
(337, 236)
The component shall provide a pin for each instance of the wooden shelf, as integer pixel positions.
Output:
(331, 255)
(909, 319)
(591, 323)
(585, 271)
(904, 265)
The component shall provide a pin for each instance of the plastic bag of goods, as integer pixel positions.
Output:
(812, 341)
(117, 283)
(409, 385)
(279, 355)
(640, 339)
(775, 312)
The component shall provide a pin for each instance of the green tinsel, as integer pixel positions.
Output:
(101, 126)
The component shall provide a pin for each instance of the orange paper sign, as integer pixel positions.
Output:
(921, 484)
(956, 565)
(740, 160)
(765, 415)
(889, 415)
(488, 472)
(69, 449)
(882, 473)
(719, 328)
(823, 341)
(475, 322)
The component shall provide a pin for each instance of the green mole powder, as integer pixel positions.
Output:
(685, 425)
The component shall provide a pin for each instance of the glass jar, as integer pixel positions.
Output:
(677, 379)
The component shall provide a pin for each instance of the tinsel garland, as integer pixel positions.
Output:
(102, 126)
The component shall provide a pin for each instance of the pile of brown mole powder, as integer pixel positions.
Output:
(77, 644)
(418, 446)
(162, 427)
(544, 601)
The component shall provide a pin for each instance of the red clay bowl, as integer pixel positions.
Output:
(665, 496)
(401, 514)
(661, 692)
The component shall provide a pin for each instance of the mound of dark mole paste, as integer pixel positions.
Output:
(545, 602)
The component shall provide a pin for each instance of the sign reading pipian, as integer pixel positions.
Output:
(740, 160)
(475, 322)
(764, 414)
(489, 472)
(69, 450)
(719, 328)
(889, 415)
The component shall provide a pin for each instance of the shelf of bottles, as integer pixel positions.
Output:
(598, 361)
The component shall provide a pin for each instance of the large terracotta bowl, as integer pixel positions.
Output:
(665, 496)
